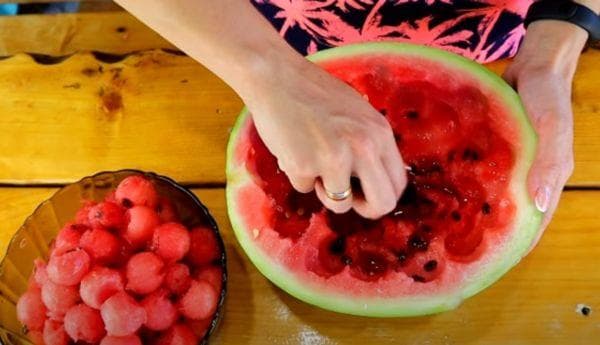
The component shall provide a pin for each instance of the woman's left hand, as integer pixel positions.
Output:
(542, 73)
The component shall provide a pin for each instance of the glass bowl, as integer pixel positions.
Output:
(34, 238)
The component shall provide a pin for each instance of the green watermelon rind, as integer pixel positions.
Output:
(527, 218)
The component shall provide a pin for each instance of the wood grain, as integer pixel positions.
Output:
(153, 111)
(164, 112)
(534, 304)
(114, 32)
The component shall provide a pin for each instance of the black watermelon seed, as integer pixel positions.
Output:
(401, 256)
(338, 246)
(486, 208)
(586, 311)
(430, 265)
(418, 243)
(471, 155)
(455, 216)
(466, 154)
(127, 203)
(383, 112)
(411, 114)
(418, 278)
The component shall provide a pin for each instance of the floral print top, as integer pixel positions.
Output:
(482, 30)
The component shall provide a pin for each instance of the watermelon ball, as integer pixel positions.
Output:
(136, 191)
(68, 238)
(107, 214)
(171, 241)
(82, 216)
(177, 278)
(144, 272)
(212, 275)
(59, 298)
(204, 248)
(140, 227)
(127, 340)
(200, 301)
(166, 211)
(68, 268)
(160, 311)
(111, 197)
(102, 246)
(84, 323)
(124, 253)
(36, 337)
(99, 285)
(54, 333)
(179, 334)
(40, 275)
(199, 327)
(31, 310)
(122, 315)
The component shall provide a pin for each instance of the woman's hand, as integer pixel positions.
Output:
(320, 129)
(323, 132)
(542, 73)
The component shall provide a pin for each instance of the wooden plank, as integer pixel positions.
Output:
(153, 111)
(534, 304)
(174, 118)
(62, 34)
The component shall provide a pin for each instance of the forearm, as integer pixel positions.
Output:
(227, 36)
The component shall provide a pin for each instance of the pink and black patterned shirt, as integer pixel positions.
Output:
(482, 30)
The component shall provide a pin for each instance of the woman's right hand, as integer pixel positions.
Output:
(320, 129)
(323, 132)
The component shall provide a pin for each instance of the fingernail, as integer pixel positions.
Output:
(542, 198)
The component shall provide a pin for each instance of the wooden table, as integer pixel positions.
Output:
(64, 118)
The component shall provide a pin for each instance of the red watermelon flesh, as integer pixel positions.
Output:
(467, 154)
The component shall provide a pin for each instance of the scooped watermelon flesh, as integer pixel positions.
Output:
(463, 220)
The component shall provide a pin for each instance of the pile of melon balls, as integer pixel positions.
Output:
(125, 271)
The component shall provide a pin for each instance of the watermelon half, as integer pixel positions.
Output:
(464, 220)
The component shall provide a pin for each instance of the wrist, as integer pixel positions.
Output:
(593, 5)
(553, 46)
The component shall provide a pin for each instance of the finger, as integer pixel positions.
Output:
(302, 184)
(549, 174)
(335, 181)
(509, 76)
(379, 195)
(393, 164)
(551, 169)
(552, 195)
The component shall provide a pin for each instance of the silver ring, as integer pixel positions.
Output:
(339, 196)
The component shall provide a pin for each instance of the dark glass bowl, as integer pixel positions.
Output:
(35, 236)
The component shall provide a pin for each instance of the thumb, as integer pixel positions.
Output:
(510, 75)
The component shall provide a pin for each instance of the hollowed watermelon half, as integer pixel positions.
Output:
(463, 221)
